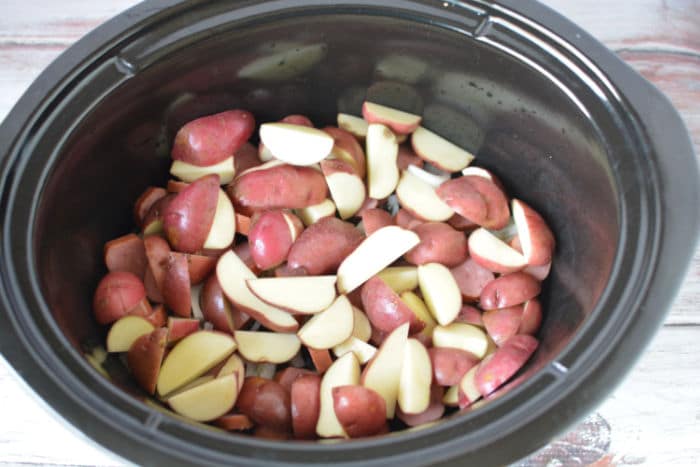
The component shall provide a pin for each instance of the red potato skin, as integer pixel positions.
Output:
(361, 411)
(126, 253)
(375, 219)
(209, 140)
(531, 318)
(155, 213)
(217, 309)
(286, 271)
(378, 336)
(145, 202)
(398, 129)
(176, 186)
(504, 323)
(470, 315)
(385, 309)
(462, 224)
(407, 157)
(290, 374)
(406, 220)
(321, 359)
(541, 237)
(117, 295)
(145, 356)
(305, 395)
(158, 317)
(439, 243)
(324, 245)
(505, 362)
(351, 150)
(234, 422)
(266, 403)
(243, 252)
(199, 267)
(188, 218)
(157, 251)
(434, 412)
(270, 239)
(179, 328)
(242, 224)
(176, 285)
(509, 290)
(281, 187)
(152, 290)
(471, 279)
(266, 432)
(449, 365)
(246, 157)
(538, 272)
(294, 119)
(477, 199)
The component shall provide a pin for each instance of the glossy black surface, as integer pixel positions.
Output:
(570, 131)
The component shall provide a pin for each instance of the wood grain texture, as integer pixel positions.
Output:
(653, 418)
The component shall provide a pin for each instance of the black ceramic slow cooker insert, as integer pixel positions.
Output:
(563, 122)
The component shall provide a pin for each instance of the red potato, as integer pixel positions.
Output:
(378, 336)
(361, 411)
(209, 140)
(144, 203)
(153, 221)
(471, 278)
(531, 318)
(117, 295)
(234, 422)
(400, 122)
(264, 154)
(242, 250)
(509, 290)
(145, 356)
(494, 254)
(157, 252)
(246, 157)
(266, 432)
(176, 285)
(536, 239)
(439, 243)
(280, 187)
(286, 271)
(271, 235)
(199, 267)
(242, 224)
(324, 245)
(369, 203)
(470, 315)
(504, 363)
(450, 365)
(152, 290)
(158, 317)
(290, 374)
(188, 218)
(407, 157)
(347, 149)
(462, 224)
(305, 396)
(321, 359)
(176, 186)
(385, 309)
(503, 323)
(126, 253)
(434, 412)
(266, 403)
(218, 310)
(375, 219)
(477, 199)
(406, 220)
(181, 327)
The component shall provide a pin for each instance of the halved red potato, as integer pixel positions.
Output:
(176, 186)
(382, 153)
(296, 144)
(242, 250)
(330, 327)
(507, 360)
(263, 152)
(470, 315)
(462, 336)
(420, 199)
(321, 358)
(158, 317)
(305, 396)
(440, 292)
(439, 243)
(360, 410)
(375, 219)
(189, 217)
(471, 278)
(400, 122)
(271, 236)
(346, 187)
(206, 401)
(462, 224)
(152, 290)
(439, 151)
(126, 253)
(492, 253)
(267, 347)
(312, 214)
(509, 290)
(117, 295)
(433, 413)
(301, 294)
(406, 220)
(290, 374)
(125, 331)
(322, 246)
(536, 239)
(157, 252)
(385, 309)
(153, 220)
(179, 328)
(531, 318)
(246, 157)
(503, 323)
(144, 203)
(347, 149)
(416, 378)
(266, 402)
(356, 126)
(295, 188)
(477, 199)
(234, 422)
(176, 285)
(199, 266)
(450, 364)
(217, 309)
(211, 139)
(189, 172)
(145, 356)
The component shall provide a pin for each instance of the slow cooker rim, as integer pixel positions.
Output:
(99, 34)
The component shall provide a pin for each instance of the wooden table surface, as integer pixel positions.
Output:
(653, 418)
